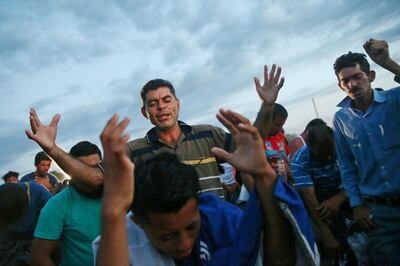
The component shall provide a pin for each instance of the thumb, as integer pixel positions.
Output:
(220, 153)
(55, 120)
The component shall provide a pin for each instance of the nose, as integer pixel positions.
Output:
(352, 83)
(184, 243)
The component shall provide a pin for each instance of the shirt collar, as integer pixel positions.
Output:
(379, 97)
(152, 136)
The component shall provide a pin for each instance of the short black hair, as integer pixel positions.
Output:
(154, 84)
(351, 60)
(315, 122)
(41, 156)
(319, 135)
(13, 203)
(84, 148)
(10, 174)
(163, 184)
(280, 111)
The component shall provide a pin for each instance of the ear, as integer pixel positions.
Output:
(144, 113)
(371, 75)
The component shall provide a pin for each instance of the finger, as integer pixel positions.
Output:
(272, 72)
(108, 128)
(231, 116)
(278, 75)
(280, 85)
(119, 147)
(55, 120)
(221, 118)
(220, 153)
(265, 73)
(34, 125)
(250, 129)
(257, 82)
(30, 135)
(35, 117)
(119, 128)
(240, 118)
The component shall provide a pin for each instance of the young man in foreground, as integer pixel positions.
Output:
(186, 234)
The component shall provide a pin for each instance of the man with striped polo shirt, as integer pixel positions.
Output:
(191, 144)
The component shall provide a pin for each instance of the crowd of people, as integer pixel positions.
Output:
(198, 195)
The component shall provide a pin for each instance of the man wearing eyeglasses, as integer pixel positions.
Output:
(367, 130)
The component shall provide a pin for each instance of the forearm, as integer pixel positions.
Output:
(247, 181)
(113, 249)
(89, 179)
(278, 237)
(311, 202)
(392, 66)
(264, 119)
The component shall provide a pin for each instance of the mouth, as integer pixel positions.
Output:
(183, 254)
(163, 117)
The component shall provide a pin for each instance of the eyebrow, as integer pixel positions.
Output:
(348, 78)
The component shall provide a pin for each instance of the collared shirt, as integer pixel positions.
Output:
(193, 148)
(307, 172)
(368, 146)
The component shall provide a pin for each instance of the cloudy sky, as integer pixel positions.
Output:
(88, 59)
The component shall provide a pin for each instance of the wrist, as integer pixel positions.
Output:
(267, 107)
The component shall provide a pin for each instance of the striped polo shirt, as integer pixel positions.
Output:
(193, 148)
(307, 172)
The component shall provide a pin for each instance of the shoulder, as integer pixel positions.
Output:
(215, 211)
(28, 177)
(302, 155)
(205, 128)
(137, 143)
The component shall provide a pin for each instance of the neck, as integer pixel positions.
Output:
(362, 104)
(170, 136)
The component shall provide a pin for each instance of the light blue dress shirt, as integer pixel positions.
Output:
(368, 146)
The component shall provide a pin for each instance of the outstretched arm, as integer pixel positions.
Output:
(268, 93)
(89, 179)
(249, 157)
(378, 51)
(117, 194)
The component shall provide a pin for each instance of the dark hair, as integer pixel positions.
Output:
(10, 174)
(163, 185)
(154, 84)
(84, 148)
(41, 156)
(319, 135)
(13, 203)
(351, 60)
(279, 110)
(315, 122)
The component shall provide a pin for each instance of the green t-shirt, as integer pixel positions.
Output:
(74, 220)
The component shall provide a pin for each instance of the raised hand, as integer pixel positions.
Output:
(118, 169)
(44, 135)
(249, 155)
(268, 92)
(378, 51)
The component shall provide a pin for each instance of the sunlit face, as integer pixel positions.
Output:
(277, 125)
(91, 160)
(12, 179)
(42, 168)
(161, 108)
(174, 233)
(355, 82)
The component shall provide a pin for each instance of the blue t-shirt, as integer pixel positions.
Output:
(38, 196)
(31, 176)
(74, 220)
